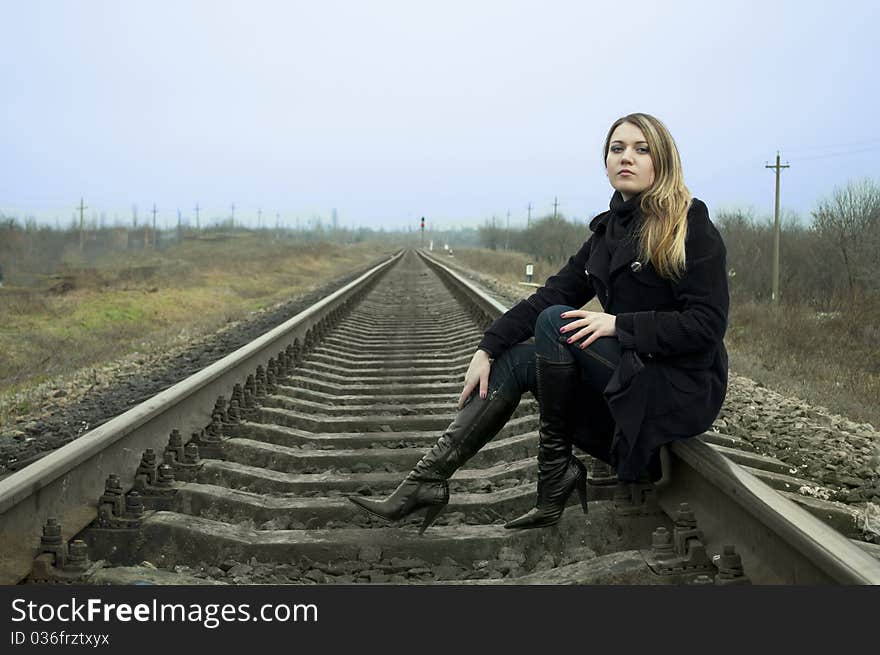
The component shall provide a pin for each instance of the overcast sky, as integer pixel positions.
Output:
(388, 111)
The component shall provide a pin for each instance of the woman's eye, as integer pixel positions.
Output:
(616, 149)
(643, 150)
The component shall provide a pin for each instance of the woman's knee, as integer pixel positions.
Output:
(514, 368)
(550, 320)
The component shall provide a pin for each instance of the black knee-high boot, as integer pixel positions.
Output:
(559, 472)
(426, 485)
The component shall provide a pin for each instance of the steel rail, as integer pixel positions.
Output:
(67, 483)
(780, 543)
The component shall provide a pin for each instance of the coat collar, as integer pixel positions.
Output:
(623, 210)
(625, 252)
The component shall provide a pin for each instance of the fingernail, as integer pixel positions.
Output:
(569, 341)
(482, 396)
(562, 329)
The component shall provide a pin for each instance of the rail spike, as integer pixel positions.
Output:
(114, 511)
(730, 567)
(183, 459)
(683, 553)
(57, 563)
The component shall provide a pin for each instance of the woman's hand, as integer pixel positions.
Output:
(477, 374)
(594, 324)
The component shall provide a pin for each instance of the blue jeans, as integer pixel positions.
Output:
(513, 374)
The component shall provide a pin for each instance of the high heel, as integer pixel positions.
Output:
(582, 493)
(552, 499)
(425, 486)
(430, 515)
(410, 496)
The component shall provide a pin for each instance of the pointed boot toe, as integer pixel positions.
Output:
(532, 519)
(375, 507)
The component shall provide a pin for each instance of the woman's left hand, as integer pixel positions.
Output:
(594, 324)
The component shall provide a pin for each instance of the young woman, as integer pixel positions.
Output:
(649, 369)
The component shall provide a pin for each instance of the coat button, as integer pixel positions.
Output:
(635, 267)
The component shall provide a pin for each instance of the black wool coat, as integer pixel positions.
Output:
(672, 377)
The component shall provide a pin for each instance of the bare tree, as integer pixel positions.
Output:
(491, 236)
(850, 219)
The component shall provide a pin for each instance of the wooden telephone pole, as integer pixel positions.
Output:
(775, 293)
(82, 234)
(154, 225)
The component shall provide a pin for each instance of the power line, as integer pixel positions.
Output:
(845, 153)
(861, 142)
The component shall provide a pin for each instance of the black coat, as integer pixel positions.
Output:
(672, 377)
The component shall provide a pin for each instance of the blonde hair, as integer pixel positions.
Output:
(665, 203)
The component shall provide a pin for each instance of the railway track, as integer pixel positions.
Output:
(240, 473)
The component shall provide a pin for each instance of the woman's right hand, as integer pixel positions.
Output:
(476, 375)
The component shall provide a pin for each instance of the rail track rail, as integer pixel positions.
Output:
(344, 398)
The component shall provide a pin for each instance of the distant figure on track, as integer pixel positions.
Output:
(650, 369)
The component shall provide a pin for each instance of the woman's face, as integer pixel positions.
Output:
(628, 162)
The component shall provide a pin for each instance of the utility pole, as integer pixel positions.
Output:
(775, 294)
(507, 233)
(154, 225)
(197, 217)
(529, 217)
(259, 217)
(232, 217)
(82, 234)
(555, 205)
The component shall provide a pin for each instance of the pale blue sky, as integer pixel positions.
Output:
(453, 110)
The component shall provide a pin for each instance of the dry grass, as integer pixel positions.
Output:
(505, 266)
(827, 359)
(124, 300)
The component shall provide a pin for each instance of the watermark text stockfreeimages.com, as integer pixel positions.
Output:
(208, 615)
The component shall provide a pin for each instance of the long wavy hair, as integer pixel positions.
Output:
(665, 203)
